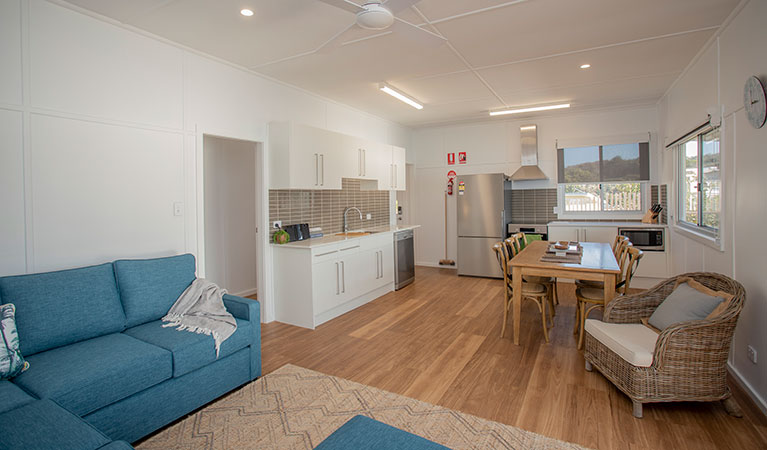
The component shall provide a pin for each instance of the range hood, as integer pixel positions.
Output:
(529, 169)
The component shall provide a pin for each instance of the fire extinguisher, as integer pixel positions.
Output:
(450, 187)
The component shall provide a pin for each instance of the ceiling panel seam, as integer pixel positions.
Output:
(460, 56)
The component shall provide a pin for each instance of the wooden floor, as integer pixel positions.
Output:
(438, 340)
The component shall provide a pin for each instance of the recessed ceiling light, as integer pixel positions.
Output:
(399, 96)
(532, 109)
(246, 12)
(585, 66)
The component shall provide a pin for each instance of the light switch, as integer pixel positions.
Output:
(178, 208)
(369, 216)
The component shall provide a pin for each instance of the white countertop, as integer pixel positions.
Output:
(563, 223)
(334, 238)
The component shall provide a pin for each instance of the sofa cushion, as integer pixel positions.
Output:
(364, 433)
(149, 287)
(633, 342)
(191, 350)
(60, 308)
(45, 425)
(88, 375)
(12, 396)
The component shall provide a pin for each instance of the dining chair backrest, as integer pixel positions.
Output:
(622, 258)
(620, 241)
(503, 260)
(510, 246)
(633, 255)
(520, 239)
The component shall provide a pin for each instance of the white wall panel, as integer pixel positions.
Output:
(693, 94)
(84, 66)
(103, 192)
(12, 247)
(10, 52)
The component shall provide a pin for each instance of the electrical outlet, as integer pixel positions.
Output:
(752, 354)
(369, 216)
(178, 208)
(277, 224)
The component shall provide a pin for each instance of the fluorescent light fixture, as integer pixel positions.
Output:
(246, 12)
(400, 96)
(524, 110)
(527, 128)
(585, 66)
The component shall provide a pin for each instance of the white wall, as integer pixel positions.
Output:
(99, 133)
(230, 214)
(494, 147)
(716, 79)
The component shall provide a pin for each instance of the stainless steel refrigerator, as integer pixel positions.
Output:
(484, 211)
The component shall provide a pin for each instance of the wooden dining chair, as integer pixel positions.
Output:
(533, 291)
(590, 299)
(550, 282)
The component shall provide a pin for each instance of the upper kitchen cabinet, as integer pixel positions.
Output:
(304, 157)
(398, 162)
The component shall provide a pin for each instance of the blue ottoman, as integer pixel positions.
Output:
(363, 433)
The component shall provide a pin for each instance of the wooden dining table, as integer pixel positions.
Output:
(598, 264)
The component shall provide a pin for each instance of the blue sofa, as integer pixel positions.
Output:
(97, 349)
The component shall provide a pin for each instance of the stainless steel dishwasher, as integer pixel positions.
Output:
(404, 259)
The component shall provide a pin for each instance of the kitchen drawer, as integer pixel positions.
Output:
(376, 240)
(324, 253)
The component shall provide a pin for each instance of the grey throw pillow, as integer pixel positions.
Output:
(684, 304)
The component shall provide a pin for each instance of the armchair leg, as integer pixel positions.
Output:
(732, 408)
(589, 367)
(637, 409)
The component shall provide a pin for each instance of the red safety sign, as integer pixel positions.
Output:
(462, 158)
(450, 159)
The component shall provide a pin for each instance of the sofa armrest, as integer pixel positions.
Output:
(243, 308)
(250, 310)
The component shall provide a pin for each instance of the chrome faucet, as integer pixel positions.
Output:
(346, 224)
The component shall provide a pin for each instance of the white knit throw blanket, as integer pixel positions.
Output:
(200, 309)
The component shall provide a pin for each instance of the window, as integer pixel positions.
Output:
(700, 182)
(603, 178)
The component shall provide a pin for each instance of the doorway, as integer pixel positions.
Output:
(231, 198)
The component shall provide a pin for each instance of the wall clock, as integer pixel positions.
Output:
(754, 101)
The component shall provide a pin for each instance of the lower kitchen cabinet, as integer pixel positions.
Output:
(316, 284)
(604, 234)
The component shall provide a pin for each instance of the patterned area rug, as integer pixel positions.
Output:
(296, 408)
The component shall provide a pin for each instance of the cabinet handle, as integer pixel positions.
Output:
(316, 169)
(326, 253)
(349, 248)
(364, 162)
(343, 277)
(338, 282)
(378, 269)
(381, 266)
(322, 169)
(584, 235)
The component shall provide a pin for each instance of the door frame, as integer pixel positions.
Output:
(258, 136)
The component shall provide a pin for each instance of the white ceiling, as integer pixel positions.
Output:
(498, 53)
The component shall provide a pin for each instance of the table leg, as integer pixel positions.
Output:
(516, 275)
(609, 288)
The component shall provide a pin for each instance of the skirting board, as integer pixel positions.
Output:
(430, 264)
(246, 293)
(758, 400)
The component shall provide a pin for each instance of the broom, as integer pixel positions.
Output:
(446, 262)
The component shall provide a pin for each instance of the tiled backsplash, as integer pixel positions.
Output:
(325, 208)
(533, 205)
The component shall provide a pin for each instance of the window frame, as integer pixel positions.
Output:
(644, 187)
(698, 231)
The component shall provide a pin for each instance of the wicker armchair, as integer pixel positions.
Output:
(690, 358)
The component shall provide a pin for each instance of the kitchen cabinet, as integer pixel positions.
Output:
(316, 284)
(604, 234)
(304, 157)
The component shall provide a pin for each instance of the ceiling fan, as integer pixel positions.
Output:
(378, 16)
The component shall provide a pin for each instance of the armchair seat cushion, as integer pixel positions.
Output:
(89, 375)
(191, 350)
(633, 342)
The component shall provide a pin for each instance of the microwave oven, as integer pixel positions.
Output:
(646, 239)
